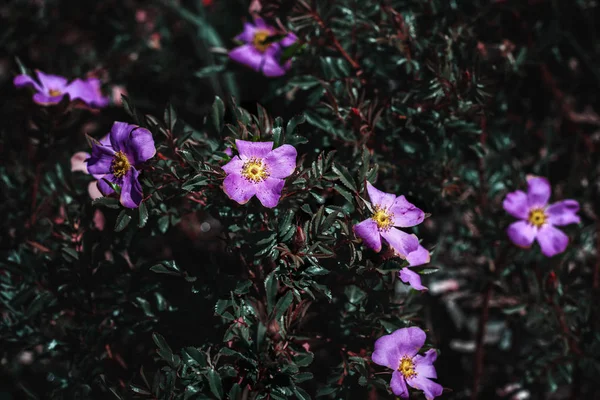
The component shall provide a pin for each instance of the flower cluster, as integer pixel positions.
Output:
(51, 89)
(262, 49)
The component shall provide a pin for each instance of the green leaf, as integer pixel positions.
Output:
(209, 70)
(108, 202)
(345, 177)
(214, 382)
(283, 304)
(143, 215)
(293, 124)
(122, 221)
(271, 290)
(217, 114)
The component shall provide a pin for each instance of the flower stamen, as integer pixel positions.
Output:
(407, 367)
(120, 165)
(54, 92)
(258, 41)
(537, 217)
(383, 218)
(255, 170)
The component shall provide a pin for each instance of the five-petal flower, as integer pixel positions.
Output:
(398, 351)
(537, 219)
(258, 170)
(116, 158)
(259, 51)
(389, 212)
(51, 89)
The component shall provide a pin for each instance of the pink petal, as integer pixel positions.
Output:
(552, 241)
(26, 80)
(430, 388)
(368, 232)
(411, 277)
(249, 149)
(238, 189)
(93, 190)
(379, 198)
(418, 257)
(269, 191)
(78, 162)
(141, 145)
(563, 213)
(271, 66)
(234, 166)
(398, 385)
(424, 364)
(522, 233)
(538, 192)
(281, 161)
(515, 203)
(405, 213)
(402, 242)
(248, 55)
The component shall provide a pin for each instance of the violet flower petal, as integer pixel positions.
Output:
(418, 257)
(234, 166)
(552, 241)
(271, 67)
(238, 189)
(248, 55)
(141, 145)
(515, 203)
(424, 364)
(131, 190)
(46, 100)
(405, 213)
(398, 385)
(412, 278)
(430, 388)
(379, 198)
(522, 233)
(269, 191)
(26, 80)
(51, 82)
(247, 34)
(104, 187)
(100, 161)
(389, 349)
(281, 161)
(119, 136)
(289, 40)
(563, 213)
(253, 149)
(402, 242)
(87, 91)
(538, 192)
(369, 233)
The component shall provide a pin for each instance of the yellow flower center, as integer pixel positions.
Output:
(537, 217)
(383, 218)
(120, 164)
(255, 170)
(54, 92)
(259, 40)
(407, 367)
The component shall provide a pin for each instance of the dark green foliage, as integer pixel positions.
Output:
(193, 296)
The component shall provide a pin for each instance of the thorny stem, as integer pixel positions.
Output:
(336, 43)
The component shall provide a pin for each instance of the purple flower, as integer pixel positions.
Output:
(538, 220)
(390, 211)
(258, 52)
(260, 171)
(115, 159)
(51, 89)
(398, 351)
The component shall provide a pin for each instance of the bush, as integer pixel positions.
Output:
(175, 255)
